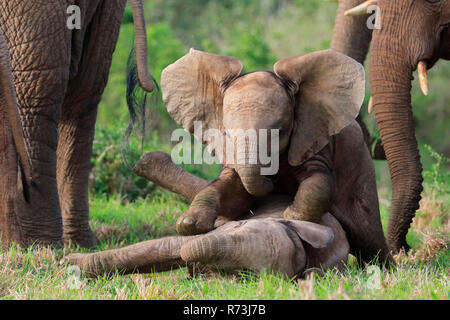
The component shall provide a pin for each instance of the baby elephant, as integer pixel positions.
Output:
(310, 102)
(261, 241)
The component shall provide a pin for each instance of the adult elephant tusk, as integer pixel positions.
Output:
(423, 77)
(370, 105)
(361, 9)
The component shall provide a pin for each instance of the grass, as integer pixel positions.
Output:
(36, 273)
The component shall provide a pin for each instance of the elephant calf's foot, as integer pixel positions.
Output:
(85, 263)
(84, 237)
(196, 221)
(293, 214)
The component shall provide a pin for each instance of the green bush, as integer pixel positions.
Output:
(112, 164)
(113, 160)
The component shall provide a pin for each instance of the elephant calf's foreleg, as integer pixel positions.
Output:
(225, 197)
(313, 197)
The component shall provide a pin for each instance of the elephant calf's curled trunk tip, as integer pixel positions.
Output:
(255, 183)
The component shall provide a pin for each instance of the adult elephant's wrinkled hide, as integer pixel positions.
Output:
(59, 74)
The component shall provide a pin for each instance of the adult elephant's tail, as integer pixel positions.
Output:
(8, 98)
(144, 77)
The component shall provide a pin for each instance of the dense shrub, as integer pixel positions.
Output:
(111, 172)
(113, 160)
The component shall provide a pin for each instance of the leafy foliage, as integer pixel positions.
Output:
(112, 173)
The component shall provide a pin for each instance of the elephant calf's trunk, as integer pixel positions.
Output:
(255, 183)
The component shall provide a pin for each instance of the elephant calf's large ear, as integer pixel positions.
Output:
(329, 89)
(193, 88)
(316, 235)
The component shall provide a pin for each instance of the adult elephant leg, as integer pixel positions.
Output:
(74, 153)
(9, 223)
(38, 41)
(94, 46)
(13, 154)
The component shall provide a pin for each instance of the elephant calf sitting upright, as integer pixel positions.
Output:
(311, 101)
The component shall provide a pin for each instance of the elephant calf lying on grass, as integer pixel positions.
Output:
(262, 240)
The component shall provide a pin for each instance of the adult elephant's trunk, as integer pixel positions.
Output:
(9, 96)
(390, 80)
(150, 256)
(351, 36)
(141, 45)
(255, 183)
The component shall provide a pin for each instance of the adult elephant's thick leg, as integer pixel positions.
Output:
(74, 153)
(9, 224)
(355, 204)
(79, 112)
(9, 151)
(38, 40)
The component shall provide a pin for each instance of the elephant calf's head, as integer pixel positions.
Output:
(298, 107)
(260, 244)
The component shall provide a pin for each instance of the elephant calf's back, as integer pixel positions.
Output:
(355, 203)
